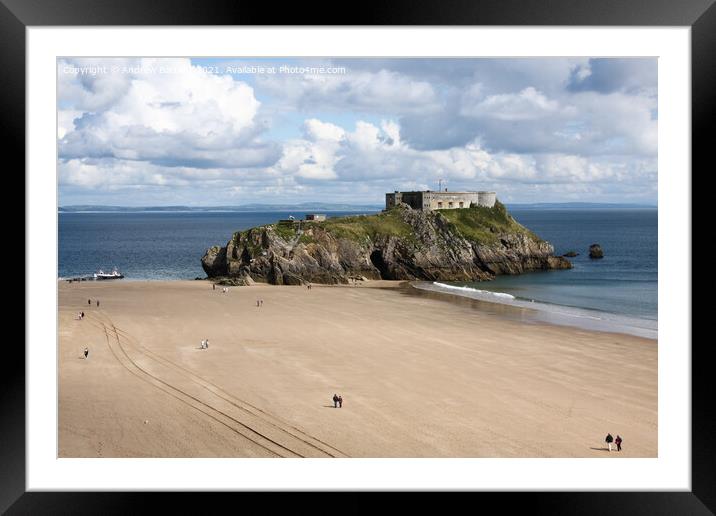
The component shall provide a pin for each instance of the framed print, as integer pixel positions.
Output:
(441, 249)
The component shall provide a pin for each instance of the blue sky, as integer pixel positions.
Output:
(225, 131)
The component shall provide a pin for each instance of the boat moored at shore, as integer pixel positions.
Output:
(101, 275)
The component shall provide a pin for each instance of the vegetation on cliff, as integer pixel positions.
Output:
(482, 224)
(477, 223)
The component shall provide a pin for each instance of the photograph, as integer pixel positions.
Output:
(357, 257)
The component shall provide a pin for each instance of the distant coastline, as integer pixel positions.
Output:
(247, 208)
(327, 207)
(580, 206)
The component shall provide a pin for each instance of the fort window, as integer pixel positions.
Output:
(450, 205)
(461, 204)
(440, 205)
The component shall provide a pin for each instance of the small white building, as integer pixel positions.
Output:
(317, 217)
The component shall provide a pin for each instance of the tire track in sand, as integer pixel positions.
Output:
(288, 439)
(240, 404)
(220, 416)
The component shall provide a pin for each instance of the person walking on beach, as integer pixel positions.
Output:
(609, 440)
(340, 401)
(618, 442)
(98, 303)
(257, 303)
(262, 302)
(335, 401)
(203, 344)
(89, 302)
(206, 344)
(213, 286)
(86, 353)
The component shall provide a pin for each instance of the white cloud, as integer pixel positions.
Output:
(184, 115)
(87, 84)
(528, 104)
(382, 91)
(370, 153)
(317, 130)
(66, 120)
(496, 125)
(618, 122)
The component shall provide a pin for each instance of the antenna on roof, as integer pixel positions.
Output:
(440, 184)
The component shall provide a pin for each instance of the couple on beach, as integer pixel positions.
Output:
(618, 441)
(205, 344)
(337, 401)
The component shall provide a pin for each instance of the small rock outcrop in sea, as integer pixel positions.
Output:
(570, 254)
(595, 251)
(474, 243)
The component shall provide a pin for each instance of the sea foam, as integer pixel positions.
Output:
(476, 290)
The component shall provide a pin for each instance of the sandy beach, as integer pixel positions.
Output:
(421, 376)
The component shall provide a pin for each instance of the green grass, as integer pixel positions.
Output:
(477, 223)
(305, 238)
(364, 227)
(285, 230)
(484, 225)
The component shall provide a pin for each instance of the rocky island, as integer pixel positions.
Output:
(400, 243)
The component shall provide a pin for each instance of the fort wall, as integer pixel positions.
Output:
(429, 200)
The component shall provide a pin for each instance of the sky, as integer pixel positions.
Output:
(218, 132)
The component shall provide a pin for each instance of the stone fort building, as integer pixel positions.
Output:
(429, 200)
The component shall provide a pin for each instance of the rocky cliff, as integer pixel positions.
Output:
(467, 244)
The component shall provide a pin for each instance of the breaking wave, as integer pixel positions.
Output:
(477, 290)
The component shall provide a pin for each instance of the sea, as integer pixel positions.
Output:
(615, 293)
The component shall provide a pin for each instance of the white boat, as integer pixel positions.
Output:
(101, 275)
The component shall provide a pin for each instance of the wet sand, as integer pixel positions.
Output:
(420, 376)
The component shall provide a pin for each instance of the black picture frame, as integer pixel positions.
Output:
(700, 15)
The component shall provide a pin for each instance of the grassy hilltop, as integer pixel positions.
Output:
(477, 224)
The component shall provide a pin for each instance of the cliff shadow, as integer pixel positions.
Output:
(376, 258)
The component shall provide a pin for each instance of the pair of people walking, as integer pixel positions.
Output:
(205, 344)
(259, 302)
(337, 401)
(618, 442)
